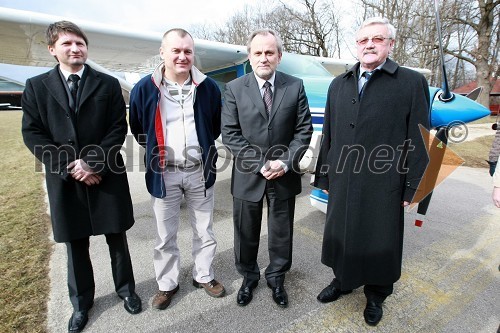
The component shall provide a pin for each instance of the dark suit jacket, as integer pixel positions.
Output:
(253, 137)
(57, 136)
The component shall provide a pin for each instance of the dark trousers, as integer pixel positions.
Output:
(247, 217)
(376, 293)
(81, 284)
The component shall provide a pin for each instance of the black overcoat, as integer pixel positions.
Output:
(95, 133)
(372, 158)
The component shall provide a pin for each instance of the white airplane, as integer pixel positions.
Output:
(116, 49)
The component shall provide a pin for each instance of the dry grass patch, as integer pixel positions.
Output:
(474, 152)
(24, 234)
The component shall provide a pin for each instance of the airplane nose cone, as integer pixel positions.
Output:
(458, 109)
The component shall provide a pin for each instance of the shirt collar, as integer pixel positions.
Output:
(172, 83)
(261, 82)
(66, 74)
(362, 70)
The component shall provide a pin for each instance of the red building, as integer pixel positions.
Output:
(494, 94)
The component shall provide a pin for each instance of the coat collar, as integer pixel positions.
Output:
(58, 89)
(91, 80)
(389, 67)
(254, 93)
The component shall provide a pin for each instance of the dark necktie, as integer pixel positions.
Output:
(268, 96)
(73, 86)
(367, 76)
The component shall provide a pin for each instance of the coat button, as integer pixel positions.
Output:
(352, 125)
(71, 142)
(270, 128)
(353, 101)
(67, 115)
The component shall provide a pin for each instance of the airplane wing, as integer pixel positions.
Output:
(118, 49)
(340, 66)
(113, 48)
(336, 66)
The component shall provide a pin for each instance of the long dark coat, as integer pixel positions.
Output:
(56, 136)
(364, 150)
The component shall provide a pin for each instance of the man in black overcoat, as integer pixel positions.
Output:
(371, 161)
(74, 122)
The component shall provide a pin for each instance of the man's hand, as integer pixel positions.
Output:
(272, 170)
(496, 196)
(80, 171)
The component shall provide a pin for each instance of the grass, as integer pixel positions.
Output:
(474, 152)
(24, 234)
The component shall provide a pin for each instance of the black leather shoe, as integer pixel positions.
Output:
(280, 296)
(78, 321)
(330, 294)
(245, 294)
(373, 313)
(132, 303)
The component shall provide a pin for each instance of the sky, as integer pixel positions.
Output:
(154, 15)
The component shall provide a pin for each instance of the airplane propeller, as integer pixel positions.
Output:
(434, 164)
(445, 95)
(445, 100)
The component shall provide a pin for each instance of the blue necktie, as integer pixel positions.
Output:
(367, 76)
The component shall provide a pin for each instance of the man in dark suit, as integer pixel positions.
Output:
(74, 122)
(371, 161)
(266, 124)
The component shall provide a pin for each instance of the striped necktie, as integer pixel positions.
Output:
(367, 76)
(73, 85)
(268, 96)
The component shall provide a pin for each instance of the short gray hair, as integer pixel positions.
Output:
(380, 20)
(264, 32)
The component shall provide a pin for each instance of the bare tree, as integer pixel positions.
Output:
(470, 36)
(306, 26)
(470, 30)
(236, 29)
(316, 28)
(479, 23)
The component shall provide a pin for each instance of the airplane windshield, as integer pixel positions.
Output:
(302, 66)
(298, 65)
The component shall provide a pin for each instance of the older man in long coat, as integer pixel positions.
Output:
(371, 161)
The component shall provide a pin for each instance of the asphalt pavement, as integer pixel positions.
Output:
(450, 280)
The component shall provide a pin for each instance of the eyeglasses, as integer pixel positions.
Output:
(375, 40)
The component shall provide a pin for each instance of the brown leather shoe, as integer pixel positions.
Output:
(213, 288)
(162, 299)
